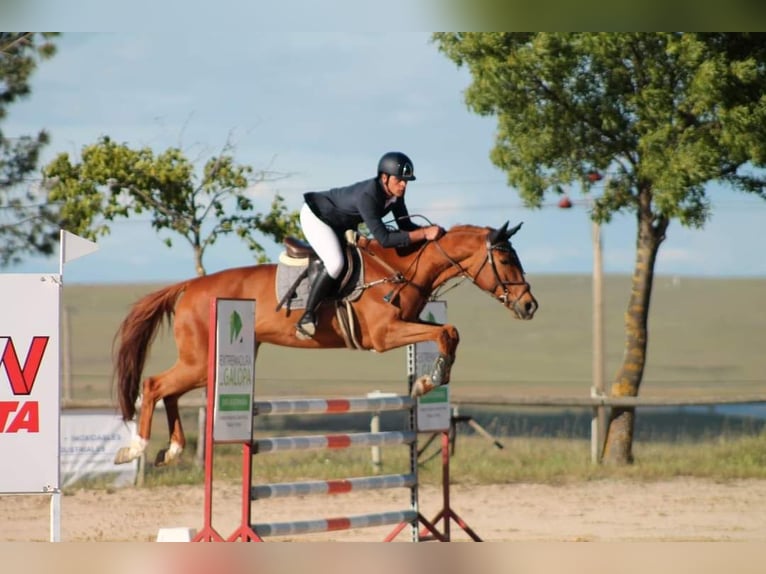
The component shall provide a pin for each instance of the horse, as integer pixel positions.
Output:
(397, 284)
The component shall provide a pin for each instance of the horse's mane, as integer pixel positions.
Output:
(415, 247)
(465, 228)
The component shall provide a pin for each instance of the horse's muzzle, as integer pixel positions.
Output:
(525, 307)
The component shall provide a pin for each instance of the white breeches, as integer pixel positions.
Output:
(324, 241)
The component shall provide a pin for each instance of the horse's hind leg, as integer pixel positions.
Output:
(167, 386)
(177, 438)
(144, 430)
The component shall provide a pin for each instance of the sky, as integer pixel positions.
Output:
(321, 108)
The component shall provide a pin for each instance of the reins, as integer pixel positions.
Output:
(399, 278)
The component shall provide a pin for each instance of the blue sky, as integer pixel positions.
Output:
(322, 107)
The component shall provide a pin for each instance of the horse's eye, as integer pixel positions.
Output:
(505, 261)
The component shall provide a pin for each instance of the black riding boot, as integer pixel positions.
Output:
(320, 289)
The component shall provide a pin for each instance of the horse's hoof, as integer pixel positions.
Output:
(123, 455)
(421, 387)
(162, 458)
(168, 455)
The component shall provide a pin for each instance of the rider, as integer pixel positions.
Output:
(326, 215)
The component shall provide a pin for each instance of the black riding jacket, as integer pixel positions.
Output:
(365, 201)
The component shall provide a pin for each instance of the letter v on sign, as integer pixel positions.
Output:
(22, 380)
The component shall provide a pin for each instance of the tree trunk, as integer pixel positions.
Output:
(618, 447)
(198, 266)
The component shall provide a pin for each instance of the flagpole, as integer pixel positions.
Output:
(55, 493)
(62, 247)
(80, 248)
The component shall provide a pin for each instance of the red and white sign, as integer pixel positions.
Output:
(29, 382)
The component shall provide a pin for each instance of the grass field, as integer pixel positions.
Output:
(706, 336)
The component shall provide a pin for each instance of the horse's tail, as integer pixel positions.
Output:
(133, 338)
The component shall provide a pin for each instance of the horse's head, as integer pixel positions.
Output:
(495, 268)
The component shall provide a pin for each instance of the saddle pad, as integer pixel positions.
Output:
(288, 270)
(286, 276)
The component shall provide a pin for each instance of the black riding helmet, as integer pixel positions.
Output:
(397, 164)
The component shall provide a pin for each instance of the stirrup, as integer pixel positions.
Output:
(305, 330)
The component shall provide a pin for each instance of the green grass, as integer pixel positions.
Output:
(540, 447)
(476, 461)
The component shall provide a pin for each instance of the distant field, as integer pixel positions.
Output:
(706, 335)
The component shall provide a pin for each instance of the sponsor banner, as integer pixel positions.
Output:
(235, 370)
(89, 442)
(29, 382)
(433, 410)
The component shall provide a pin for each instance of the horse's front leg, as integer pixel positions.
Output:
(401, 333)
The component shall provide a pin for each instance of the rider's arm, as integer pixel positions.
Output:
(370, 212)
(416, 232)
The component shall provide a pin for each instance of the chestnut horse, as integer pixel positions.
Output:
(396, 288)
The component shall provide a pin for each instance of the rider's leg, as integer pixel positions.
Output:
(323, 286)
(325, 242)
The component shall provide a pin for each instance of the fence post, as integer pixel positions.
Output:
(596, 427)
(377, 461)
(201, 429)
(375, 450)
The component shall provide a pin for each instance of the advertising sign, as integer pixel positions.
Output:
(235, 370)
(433, 410)
(29, 382)
(89, 442)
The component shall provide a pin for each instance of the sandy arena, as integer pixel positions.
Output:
(682, 509)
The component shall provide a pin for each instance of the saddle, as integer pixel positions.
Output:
(299, 265)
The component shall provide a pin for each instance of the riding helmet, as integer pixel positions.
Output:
(397, 164)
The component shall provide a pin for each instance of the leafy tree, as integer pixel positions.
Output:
(663, 114)
(115, 181)
(27, 224)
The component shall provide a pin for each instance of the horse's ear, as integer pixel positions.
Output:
(513, 230)
(499, 235)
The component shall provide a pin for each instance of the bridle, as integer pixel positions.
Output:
(505, 297)
(399, 279)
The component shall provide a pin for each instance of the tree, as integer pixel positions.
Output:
(663, 114)
(27, 224)
(115, 181)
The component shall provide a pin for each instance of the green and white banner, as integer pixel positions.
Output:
(235, 370)
(433, 411)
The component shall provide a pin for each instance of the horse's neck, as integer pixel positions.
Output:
(450, 258)
(433, 265)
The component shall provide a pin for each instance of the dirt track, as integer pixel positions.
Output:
(677, 510)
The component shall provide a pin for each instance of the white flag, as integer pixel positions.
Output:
(74, 246)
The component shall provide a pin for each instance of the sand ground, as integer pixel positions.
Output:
(682, 509)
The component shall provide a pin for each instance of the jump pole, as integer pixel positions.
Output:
(402, 518)
(233, 431)
(247, 531)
